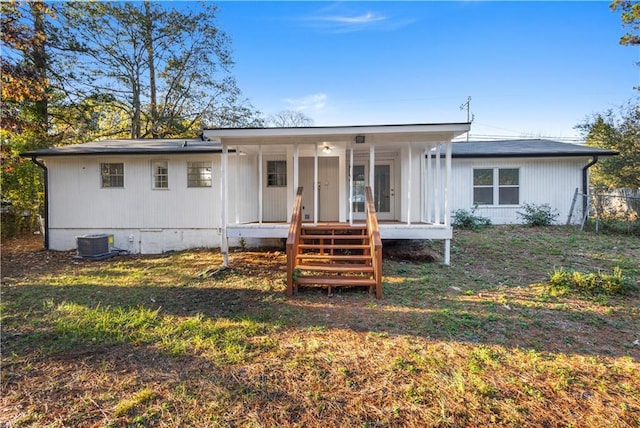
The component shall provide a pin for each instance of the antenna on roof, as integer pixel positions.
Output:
(467, 105)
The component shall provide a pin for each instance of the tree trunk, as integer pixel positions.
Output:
(152, 70)
(39, 58)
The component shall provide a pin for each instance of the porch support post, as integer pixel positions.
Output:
(429, 188)
(423, 186)
(351, 186)
(260, 184)
(409, 184)
(447, 183)
(372, 166)
(315, 185)
(447, 252)
(237, 186)
(437, 194)
(224, 244)
(295, 168)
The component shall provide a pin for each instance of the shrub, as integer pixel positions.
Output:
(538, 215)
(562, 281)
(469, 220)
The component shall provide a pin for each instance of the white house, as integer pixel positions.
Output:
(240, 184)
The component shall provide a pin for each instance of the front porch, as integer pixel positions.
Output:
(407, 169)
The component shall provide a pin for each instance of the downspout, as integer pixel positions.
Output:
(46, 200)
(585, 182)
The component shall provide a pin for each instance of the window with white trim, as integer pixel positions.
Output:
(276, 173)
(199, 174)
(496, 186)
(112, 175)
(160, 171)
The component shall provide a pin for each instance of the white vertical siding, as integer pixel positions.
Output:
(542, 180)
(275, 198)
(243, 193)
(79, 204)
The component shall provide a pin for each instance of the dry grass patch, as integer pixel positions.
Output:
(151, 341)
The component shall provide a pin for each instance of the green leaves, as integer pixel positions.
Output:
(630, 17)
(621, 132)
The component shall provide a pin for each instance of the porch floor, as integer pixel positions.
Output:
(389, 229)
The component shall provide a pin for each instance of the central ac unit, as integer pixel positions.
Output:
(91, 246)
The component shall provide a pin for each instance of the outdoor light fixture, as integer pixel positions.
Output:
(326, 149)
(359, 139)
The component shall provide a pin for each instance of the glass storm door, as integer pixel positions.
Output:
(383, 191)
(359, 183)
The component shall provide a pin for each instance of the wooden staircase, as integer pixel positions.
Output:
(334, 255)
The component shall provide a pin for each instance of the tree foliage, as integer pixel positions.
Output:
(24, 106)
(167, 71)
(78, 71)
(621, 132)
(630, 18)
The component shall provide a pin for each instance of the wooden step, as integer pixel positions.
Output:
(329, 257)
(338, 226)
(336, 280)
(344, 237)
(333, 247)
(337, 268)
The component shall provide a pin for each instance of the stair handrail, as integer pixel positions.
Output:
(293, 240)
(375, 241)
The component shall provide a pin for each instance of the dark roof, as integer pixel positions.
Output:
(524, 148)
(132, 147)
(471, 149)
(387, 125)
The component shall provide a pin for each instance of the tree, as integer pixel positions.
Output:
(621, 132)
(289, 118)
(166, 70)
(24, 105)
(630, 17)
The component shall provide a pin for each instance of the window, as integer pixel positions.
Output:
(112, 174)
(198, 174)
(483, 187)
(160, 171)
(496, 184)
(276, 173)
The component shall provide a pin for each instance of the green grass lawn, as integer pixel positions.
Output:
(150, 341)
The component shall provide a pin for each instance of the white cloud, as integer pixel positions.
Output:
(308, 102)
(339, 21)
(367, 18)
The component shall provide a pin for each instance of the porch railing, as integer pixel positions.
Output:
(374, 240)
(293, 240)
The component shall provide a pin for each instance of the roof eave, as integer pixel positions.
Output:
(532, 155)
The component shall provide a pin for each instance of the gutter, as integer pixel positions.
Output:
(46, 200)
(585, 182)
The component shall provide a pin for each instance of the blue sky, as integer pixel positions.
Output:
(532, 69)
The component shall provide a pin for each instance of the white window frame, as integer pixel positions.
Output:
(156, 175)
(200, 182)
(108, 175)
(279, 175)
(496, 186)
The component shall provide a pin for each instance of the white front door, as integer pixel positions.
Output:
(327, 188)
(383, 190)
